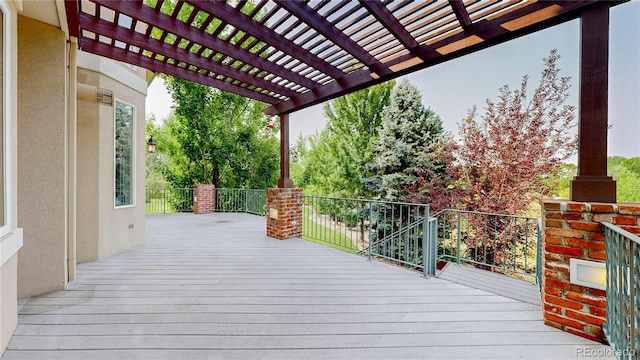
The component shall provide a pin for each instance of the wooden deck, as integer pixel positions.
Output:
(215, 287)
(492, 282)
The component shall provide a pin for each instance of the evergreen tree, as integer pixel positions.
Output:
(334, 161)
(408, 134)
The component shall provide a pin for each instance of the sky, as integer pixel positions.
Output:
(454, 87)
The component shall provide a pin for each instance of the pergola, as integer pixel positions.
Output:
(295, 54)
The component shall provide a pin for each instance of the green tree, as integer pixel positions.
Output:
(157, 164)
(409, 131)
(628, 183)
(333, 162)
(220, 138)
(353, 124)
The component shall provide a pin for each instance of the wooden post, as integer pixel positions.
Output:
(284, 181)
(592, 182)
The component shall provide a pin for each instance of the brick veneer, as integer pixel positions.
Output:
(288, 204)
(573, 230)
(204, 199)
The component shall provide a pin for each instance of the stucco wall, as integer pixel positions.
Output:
(115, 234)
(8, 301)
(41, 157)
(10, 243)
(103, 230)
(88, 161)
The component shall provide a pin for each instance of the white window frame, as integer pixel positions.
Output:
(133, 155)
(6, 117)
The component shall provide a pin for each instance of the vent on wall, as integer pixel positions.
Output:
(91, 93)
(104, 96)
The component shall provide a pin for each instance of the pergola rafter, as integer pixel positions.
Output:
(461, 13)
(298, 53)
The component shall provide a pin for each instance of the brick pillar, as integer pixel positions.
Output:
(573, 230)
(284, 213)
(204, 199)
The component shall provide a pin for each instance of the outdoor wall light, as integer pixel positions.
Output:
(151, 145)
(591, 274)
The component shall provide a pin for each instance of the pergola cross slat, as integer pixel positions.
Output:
(294, 54)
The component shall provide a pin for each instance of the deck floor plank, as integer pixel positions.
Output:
(215, 287)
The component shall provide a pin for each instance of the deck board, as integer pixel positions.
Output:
(215, 287)
(492, 282)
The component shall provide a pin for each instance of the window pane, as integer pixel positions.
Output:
(124, 126)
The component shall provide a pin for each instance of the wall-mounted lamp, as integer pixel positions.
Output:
(588, 273)
(151, 145)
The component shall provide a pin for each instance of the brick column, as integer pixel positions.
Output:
(204, 199)
(573, 230)
(284, 213)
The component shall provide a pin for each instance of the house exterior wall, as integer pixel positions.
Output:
(42, 123)
(11, 242)
(87, 180)
(103, 229)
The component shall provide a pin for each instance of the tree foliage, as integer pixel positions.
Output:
(333, 161)
(219, 138)
(506, 154)
(409, 133)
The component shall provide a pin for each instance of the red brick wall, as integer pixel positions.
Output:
(573, 230)
(204, 199)
(288, 204)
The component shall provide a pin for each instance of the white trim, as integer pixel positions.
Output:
(133, 154)
(10, 245)
(6, 116)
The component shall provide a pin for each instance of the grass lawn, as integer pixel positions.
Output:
(312, 231)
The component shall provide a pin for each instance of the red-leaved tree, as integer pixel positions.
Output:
(506, 155)
(503, 162)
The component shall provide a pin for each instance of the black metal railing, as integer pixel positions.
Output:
(252, 201)
(169, 200)
(502, 243)
(388, 231)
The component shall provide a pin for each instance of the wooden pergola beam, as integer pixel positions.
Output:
(461, 13)
(99, 48)
(482, 34)
(592, 182)
(236, 18)
(71, 8)
(285, 180)
(331, 32)
(137, 10)
(139, 40)
(386, 18)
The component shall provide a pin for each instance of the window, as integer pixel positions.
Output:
(124, 154)
(5, 116)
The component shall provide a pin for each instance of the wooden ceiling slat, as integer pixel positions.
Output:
(330, 31)
(329, 49)
(132, 37)
(115, 53)
(491, 31)
(152, 17)
(238, 19)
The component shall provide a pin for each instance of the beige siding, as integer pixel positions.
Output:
(88, 164)
(41, 157)
(103, 230)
